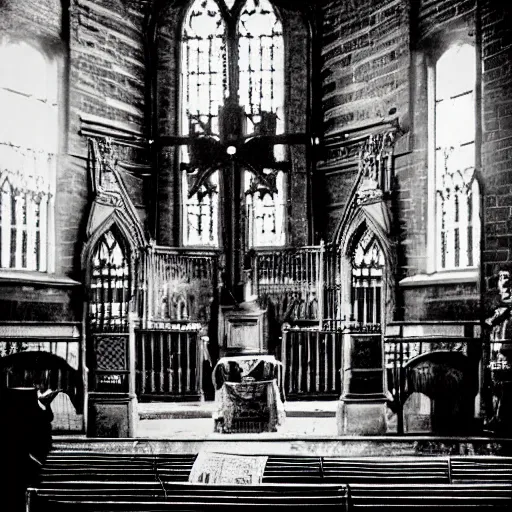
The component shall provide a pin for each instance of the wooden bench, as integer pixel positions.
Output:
(136, 496)
(181, 496)
(485, 496)
(94, 482)
(293, 469)
(386, 470)
(61, 466)
(481, 468)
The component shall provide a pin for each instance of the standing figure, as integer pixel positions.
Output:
(500, 363)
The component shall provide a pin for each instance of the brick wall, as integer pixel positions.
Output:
(496, 37)
(107, 79)
(431, 21)
(23, 17)
(365, 59)
(99, 45)
(364, 74)
(165, 56)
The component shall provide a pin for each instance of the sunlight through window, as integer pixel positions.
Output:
(28, 147)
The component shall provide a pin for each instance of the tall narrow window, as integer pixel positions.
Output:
(28, 147)
(261, 92)
(265, 212)
(452, 158)
(232, 90)
(203, 90)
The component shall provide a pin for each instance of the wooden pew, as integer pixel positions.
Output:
(481, 468)
(174, 496)
(485, 496)
(61, 466)
(293, 469)
(171, 496)
(91, 481)
(388, 470)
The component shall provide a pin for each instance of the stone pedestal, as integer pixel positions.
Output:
(362, 406)
(112, 415)
(111, 401)
(361, 417)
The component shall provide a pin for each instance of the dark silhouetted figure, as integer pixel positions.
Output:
(26, 438)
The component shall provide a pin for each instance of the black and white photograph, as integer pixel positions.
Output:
(255, 254)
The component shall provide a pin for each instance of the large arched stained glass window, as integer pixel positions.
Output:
(232, 53)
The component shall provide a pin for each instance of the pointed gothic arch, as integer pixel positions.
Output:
(110, 282)
(359, 221)
(117, 222)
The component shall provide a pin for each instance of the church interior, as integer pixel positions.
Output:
(287, 223)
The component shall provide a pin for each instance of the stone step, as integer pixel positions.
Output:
(276, 444)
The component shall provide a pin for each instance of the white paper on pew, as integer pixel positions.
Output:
(223, 468)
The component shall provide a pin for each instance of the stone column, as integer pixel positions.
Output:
(362, 408)
(112, 405)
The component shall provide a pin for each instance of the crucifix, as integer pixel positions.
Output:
(231, 153)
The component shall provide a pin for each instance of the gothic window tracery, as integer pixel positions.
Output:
(265, 211)
(456, 187)
(232, 89)
(367, 261)
(109, 286)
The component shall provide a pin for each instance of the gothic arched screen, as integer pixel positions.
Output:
(232, 57)
(109, 287)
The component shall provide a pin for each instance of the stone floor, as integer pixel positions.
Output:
(202, 428)
(193, 419)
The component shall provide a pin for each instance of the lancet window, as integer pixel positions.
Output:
(452, 93)
(232, 88)
(28, 147)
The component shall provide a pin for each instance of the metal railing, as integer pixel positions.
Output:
(312, 362)
(169, 364)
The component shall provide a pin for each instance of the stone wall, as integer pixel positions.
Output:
(433, 22)
(374, 68)
(100, 49)
(365, 65)
(496, 35)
